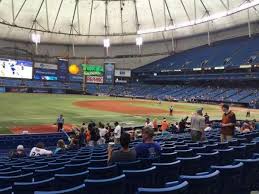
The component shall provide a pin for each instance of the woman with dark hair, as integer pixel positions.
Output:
(61, 147)
(125, 154)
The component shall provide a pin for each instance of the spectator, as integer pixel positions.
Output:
(227, 124)
(148, 149)
(61, 147)
(117, 133)
(164, 125)
(82, 137)
(207, 118)
(39, 150)
(73, 144)
(197, 126)
(171, 109)
(125, 154)
(94, 134)
(102, 131)
(155, 125)
(18, 153)
(182, 124)
(148, 123)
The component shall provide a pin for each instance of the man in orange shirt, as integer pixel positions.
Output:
(164, 125)
(227, 124)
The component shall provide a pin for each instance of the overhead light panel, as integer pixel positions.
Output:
(106, 42)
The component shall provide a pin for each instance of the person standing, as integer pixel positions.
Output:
(227, 124)
(148, 123)
(117, 133)
(248, 114)
(171, 109)
(164, 125)
(60, 122)
(197, 126)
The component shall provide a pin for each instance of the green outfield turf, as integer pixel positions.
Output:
(33, 109)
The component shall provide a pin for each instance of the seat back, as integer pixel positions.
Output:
(139, 178)
(208, 183)
(191, 165)
(134, 165)
(45, 174)
(75, 190)
(114, 185)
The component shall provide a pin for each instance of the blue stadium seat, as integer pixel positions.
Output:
(57, 164)
(46, 174)
(201, 149)
(98, 163)
(226, 156)
(79, 161)
(11, 173)
(168, 149)
(114, 185)
(207, 183)
(75, 190)
(31, 187)
(168, 157)
(208, 159)
(185, 153)
(63, 180)
(166, 172)
(7, 190)
(32, 169)
(180, 188)
(181, 147)
(9, 180)
(250, 149)
(250, 174)
(139, 178)
(76, 168)
(239, 151)
(191, 165)
(230, 177)
(103, 172)
(134, 165)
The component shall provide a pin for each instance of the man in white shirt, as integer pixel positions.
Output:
(39, 151)
(117, 133)
(148, 123)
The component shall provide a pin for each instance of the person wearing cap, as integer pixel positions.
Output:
(149, 148)
(18, 153)
(197, 126)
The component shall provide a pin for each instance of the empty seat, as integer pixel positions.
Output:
(6, 190)
(250, 149)
(57, 164)
(178, 188)
(226, 156)
(98, 163)
(239, 151)
(168, 149)
(166, 172)
(202, 149)
(208, 159)
(230, 177)
(168, 157)
(114, 185)
(45, 174)
(103, 172)
(207, 183)
(79, 161)
(11, 173)
(185, 153)
(75, 190)
(134, 165)
(64, 180)
(9, 180)
(191, 165)
(76, 168)
(32, 169)
(181, 147)
(139, 178)
(30, 187)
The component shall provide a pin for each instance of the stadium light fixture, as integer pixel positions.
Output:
(247, 5)
(139, 41)
(35, 37)
(106, 42)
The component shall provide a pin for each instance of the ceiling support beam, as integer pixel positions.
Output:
(61, 2)
(169, 13)
(35, 19)
(121, 15)
(78, 18)
(136, 16)
(249, 23)
(189, 18)
(19, 10)
(209, 40)
(73, 17)
(13, 10)
(90, 17)
(226, 6)
(195, 9)
(47, 13)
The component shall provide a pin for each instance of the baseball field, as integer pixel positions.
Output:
(38, 112)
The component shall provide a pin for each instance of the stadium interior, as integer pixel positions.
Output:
(176, 81)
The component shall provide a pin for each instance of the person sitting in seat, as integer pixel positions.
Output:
(39, 151)
(61, 147)
(18, 153)
(125, 154)
(148, 149)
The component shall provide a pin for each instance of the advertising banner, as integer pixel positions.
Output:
(109, 73)
(94, 79)
(45, 74)
(45, 66)
(122, 73)
(62, 70)
(90, 70)
(75, 73)
(2, 89)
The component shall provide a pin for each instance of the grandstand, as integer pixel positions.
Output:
(176, 81)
